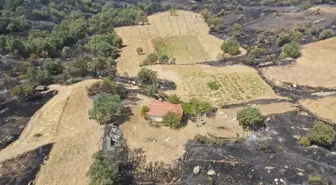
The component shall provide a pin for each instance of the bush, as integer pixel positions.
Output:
(213, 85)
(314, 178)
(231, 47)
(22, 91)
(54, 67)
(283, 38)
(163, 59)
(174, 99)
(172, 120)
(104, 171)
(147, 76)
(305, 141)
(144, 111)
(236, 29)
(321, 134)
(106, 108)
(327, 33)
(250, 117)
(139, 50)
(291, 50)
(196, 107)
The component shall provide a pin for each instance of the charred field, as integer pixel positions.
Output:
(271, 156)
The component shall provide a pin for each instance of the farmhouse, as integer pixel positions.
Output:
(158, 109)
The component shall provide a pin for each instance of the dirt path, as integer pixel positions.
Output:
(63, 120)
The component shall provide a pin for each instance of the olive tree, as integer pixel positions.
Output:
(147, 76)
(231, 47)
(250, 117)
(106, 108)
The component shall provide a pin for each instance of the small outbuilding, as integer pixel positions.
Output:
(158, 109)
(40, 88)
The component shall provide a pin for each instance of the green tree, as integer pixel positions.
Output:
(141, 18)
(104, 171)
(172, 120)
(54, 67)
(144, 111)
(231, 47)
(163, 59)
(292, 50)
(250, 117)
(22, 91)
(195, 107)
(106, 108)
(40, 76)
(283, 38)
(321, 134)
(327, 33)
(174, 99)
(147, 76)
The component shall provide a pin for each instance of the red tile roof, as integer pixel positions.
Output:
(159, 108)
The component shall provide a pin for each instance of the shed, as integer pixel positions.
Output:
(158, 109)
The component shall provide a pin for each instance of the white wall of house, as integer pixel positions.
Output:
(155, 118)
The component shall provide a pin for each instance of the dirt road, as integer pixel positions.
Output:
(64, 121)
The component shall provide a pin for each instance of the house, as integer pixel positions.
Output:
(158, 109)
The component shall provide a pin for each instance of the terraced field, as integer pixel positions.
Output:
(184, 37)
(236, 83)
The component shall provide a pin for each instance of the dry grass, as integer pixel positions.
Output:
(64, 121)
(236, 83)
(314, 68)
(166, 145)
(184, 37)
(324, 107)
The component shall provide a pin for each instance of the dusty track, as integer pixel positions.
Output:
(64, 121)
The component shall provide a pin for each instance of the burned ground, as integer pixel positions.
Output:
(270, 156)
(23, 168)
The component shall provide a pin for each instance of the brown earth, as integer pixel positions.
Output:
(187, 34)
(314, 68)
(237, 83)
(64, 121)
(166, 144)
(324, 107)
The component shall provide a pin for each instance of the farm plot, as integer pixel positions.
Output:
(324, 107)
(315, 67)
(184, 37)
(235, 83)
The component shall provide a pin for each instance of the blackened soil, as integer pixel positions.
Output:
(14, 116)
(23, 169)
(271, 156)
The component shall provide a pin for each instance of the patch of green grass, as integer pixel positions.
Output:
(213, 85)
(314, 178)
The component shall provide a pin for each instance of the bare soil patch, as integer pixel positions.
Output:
(166, 145)
(315, 67)
(184, 37)
(236, 83)
(324, 107)
(64, 121)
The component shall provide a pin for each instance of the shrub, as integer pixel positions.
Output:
(327, 33)
(231, 47)
(144, 111)
(213, 85)
(291, 50)
(283, 38)
(196, 107)
(147, 76)
(306, 4)
(314, 178)
(104, 171)
(150, 59)
(304, 141)
(174, 99)
(321, 134)
(172, 120)
(22, 91)
(163, 59)
(54, 67)
(106, 108)
(139, 50)
(250, 117)
(236, 29)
